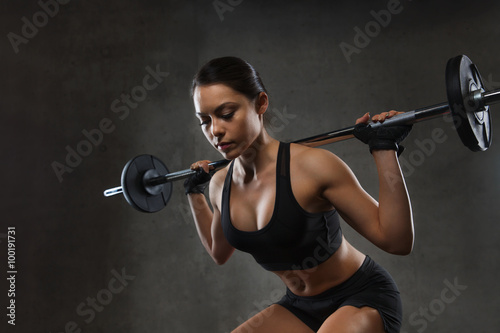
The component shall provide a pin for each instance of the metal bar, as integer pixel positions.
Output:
(326, 138)
(491, 97)
(410, 117)
(185, 173)
(432, 112)
(113, 191)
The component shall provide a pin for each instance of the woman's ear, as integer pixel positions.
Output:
(262, 103)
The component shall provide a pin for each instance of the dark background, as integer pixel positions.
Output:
(87, 56)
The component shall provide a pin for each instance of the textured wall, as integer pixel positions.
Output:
(89, 263)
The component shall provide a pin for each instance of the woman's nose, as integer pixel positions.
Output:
(217, 128)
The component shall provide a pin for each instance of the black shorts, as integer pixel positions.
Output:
(370, 286)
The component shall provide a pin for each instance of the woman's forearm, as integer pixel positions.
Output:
(203, 216)
(395, 214)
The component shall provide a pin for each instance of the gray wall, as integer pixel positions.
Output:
(71, 242)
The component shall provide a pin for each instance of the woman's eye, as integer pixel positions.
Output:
(204, 122)
(228, 115)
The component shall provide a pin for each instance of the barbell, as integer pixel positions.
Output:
(147, 184)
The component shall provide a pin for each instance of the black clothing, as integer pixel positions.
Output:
(293, 239)
(371, 286)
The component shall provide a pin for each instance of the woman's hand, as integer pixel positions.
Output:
(378, 117)
(202, 164)
(199, 181)
(381, 138)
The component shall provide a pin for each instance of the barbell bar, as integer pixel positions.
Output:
(169, 177)
(409, 117)
(147, 184)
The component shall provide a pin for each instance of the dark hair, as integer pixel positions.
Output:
(234, 72)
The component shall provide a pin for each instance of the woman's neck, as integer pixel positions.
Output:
(258, 156)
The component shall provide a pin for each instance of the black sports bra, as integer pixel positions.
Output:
(293, 239)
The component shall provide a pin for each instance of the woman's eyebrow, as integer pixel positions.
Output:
(217, 109)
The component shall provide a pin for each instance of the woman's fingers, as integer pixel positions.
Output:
(202, 164)
(384, 115)
(378, 117)
(363, 119)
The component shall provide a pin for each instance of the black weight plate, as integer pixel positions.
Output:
(472, 120)
(133, 184)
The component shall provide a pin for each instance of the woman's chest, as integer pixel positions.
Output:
(252, 206)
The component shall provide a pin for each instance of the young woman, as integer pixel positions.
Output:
(282, 202)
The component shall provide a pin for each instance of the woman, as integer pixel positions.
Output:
(281, 203)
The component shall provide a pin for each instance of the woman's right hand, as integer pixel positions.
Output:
(202, 164)
(197, 182)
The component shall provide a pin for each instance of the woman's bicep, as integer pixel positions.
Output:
(221, 249)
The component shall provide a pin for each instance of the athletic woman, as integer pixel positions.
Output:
(282, 202)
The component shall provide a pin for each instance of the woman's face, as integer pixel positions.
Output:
(229, 120)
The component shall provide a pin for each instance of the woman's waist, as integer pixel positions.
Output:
(342, 265)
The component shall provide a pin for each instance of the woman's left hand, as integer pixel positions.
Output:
(378, 117)
(387, 138)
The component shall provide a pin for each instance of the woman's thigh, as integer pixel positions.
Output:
(350, 319)
(272, 320)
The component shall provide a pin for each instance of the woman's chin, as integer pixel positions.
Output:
(230, 155)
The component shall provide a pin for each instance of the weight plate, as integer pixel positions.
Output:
(471, 118)
(134, 189)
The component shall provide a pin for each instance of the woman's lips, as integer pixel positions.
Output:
(223, 145)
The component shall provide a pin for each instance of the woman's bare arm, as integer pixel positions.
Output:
(208, 222)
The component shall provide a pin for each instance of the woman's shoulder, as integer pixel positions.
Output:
(217, 184)
(219, 177)
(312, 156)
(316, 161)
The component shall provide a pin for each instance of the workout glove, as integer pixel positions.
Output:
(382, 138)
(197, 182)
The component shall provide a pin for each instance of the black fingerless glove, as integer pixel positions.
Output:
(382, 138)
(197, 182)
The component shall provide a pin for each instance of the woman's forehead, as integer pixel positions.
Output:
(214, 89)
(211, 96)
